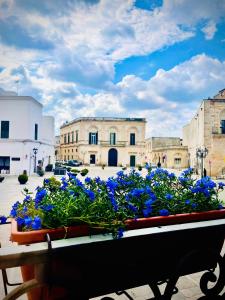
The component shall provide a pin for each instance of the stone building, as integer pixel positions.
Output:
(169, 151)
(207, 129)
(57, 147)
(23, 128)
(104, 141)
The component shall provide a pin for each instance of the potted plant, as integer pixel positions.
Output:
(22, 178)
(1, 178)
(49, 168)
(84, 172)
(40, 171)
(127, 201)
(139, 168)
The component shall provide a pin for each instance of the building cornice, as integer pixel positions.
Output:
(105, 119)
(2, 141)
(20, 98)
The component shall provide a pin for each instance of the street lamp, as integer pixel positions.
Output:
(201, 153)
(35, 151)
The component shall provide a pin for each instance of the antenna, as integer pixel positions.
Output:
(17, 86)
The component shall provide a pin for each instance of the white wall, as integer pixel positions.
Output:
(23, 113)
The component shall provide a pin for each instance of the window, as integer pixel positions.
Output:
(64, 138)
(68, 157)
(68, 139)
(76, 136)
(112, 138)
(93, 138)
(132, 161)
(36, 132)
(132, 139)
(4, 129)
(177, 161)
(72, 133)
(222, 126)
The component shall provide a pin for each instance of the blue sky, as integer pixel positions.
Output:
(146, 58)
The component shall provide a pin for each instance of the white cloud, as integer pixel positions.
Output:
(168, 100)
(209, 30)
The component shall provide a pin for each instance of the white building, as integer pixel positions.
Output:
(22, 129)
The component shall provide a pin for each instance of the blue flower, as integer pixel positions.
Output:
(171, 175)
(71, 192)
(137, 192)
(36, 224)
(169, 196)
(46, 181)
(3, 219)
(164, 212)
(187, 202)
(90, 194)
(149, 202)
(220, 206)
(120, 173)
(47, 207)
(194, 205)
(120, 233)
(147, 211)
(27, 221)
(221, 185)
(132, 208)
(20, 221)
(111, 184)
(27, 199)
(88, 180)
(13, 213)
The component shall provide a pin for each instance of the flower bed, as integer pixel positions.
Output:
(108, 204)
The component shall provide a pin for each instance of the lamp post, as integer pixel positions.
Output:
(35, 151)
(201, 153)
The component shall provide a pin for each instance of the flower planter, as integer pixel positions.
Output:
(82, 230)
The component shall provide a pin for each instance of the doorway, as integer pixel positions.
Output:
(92, 159)
(132, 161)
(5, 164)
(112, 157)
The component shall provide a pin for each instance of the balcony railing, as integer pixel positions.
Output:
(117, 144)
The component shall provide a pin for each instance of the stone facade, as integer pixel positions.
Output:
(104, 141)
(57, 147)
(168, 151)
(207, 129)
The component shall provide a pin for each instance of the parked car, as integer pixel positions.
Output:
(73, 163)
(153, 166)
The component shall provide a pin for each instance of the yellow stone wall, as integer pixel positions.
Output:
(204, 130)
(122, 127)
(168, 150)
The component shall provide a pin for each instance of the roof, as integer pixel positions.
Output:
(106, 119)
(20, 98)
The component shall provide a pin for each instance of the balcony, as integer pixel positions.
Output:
(118, 144)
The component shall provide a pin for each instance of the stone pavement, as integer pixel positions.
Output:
(10, 192)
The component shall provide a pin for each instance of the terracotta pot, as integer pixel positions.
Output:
(30, 237)
(82, 230)
(175, 219)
